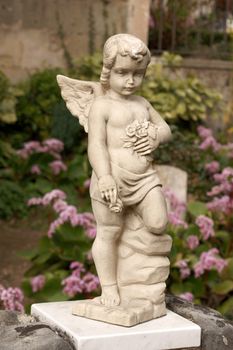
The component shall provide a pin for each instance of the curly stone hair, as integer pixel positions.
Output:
(123, 44)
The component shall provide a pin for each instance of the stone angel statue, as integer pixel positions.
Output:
(130, 247)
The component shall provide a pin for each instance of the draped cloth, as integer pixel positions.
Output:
(132, 188)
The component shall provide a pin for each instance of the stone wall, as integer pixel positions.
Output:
(35, 34)
(19, 331)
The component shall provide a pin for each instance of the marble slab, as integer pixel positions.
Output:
(168, 332)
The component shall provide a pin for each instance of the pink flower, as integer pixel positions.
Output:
(59, 205)
(192, 242)
(57, 166)
(54, 145)
(91, 232)
(35, 169)
(54, 225)
(79, 281)
(51, 196)
(223, 204)
(37, 283)
(176, 221)
(225, 176)
(184, 269)
(77, 266)
(210, 142)
(212, 167)
(204, 132)
(205, 225)
(35, 201)
(87, 183)
(12, 298)
(73, 285)
(91, 282)
(208, 261)
(177, 209)
(187, 296)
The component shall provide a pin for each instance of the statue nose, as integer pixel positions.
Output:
(130, 79)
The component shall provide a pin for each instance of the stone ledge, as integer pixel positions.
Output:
(22, 332)
(217, 332)
(15, 328)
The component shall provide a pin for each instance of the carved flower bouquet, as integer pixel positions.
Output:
(137, 131)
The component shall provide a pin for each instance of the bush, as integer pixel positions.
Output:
(185, 102)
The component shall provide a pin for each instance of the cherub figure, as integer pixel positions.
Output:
(123, 131)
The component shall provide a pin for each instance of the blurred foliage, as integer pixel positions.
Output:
(35, 107)
(8, 98)
(184, 101)
(41, 113)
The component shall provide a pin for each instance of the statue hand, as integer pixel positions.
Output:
(146, 145)
(108, 188)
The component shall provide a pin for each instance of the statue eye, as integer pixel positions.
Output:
(139, 74)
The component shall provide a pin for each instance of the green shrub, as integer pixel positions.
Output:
(184, 101)
(8, 98)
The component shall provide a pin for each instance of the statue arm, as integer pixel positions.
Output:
(97, 143)
(98, 151)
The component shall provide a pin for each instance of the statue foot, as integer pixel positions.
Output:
(110, 295)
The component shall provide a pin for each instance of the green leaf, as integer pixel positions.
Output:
(197, 208)
(180, 108)
(28, 254)
(42, 258)
(227, 307)
(228, 271)
(223, 287)
(223, 235)
(69, 233)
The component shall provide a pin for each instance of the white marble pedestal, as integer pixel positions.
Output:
(168, 332)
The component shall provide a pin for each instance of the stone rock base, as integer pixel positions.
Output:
(129, 313)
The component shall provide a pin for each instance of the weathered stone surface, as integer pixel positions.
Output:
(129, 313)
(22, 332)
(8, 318)
(147, 243)
(217, 332)
(134, 267)
(153, 292)
(59, 31)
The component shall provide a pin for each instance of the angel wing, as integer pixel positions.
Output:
(79, 96)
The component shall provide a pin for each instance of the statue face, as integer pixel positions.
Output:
(127, 75)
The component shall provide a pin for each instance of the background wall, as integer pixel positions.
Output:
(46, 33)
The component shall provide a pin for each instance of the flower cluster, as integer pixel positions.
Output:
(80, 281)
(66, 213)
(187, 296)
(208, 140)
(192, 242)
(177, 209)
(212, 167)
(57, 166)
(208, 261)
(51, 146)
(222, 192)
(184, 269)
(37, 283)
(12, 298)
(205, 225)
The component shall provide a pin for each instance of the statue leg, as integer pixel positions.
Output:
(104, 251)
(153, 211)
